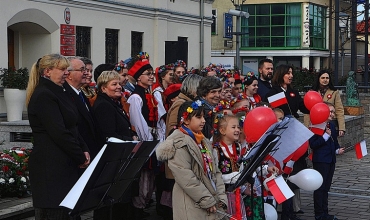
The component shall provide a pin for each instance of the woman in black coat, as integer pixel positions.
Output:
(112, 121)
(282, 82)
(59, 151)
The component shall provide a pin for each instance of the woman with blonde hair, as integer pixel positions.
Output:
(59, 151)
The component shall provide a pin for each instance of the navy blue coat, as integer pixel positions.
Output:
(324, 151)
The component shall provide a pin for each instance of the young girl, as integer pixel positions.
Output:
(199, 190)
(227, 152)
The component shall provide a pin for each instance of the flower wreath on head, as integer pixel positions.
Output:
(163, 68)
(143, 56)
(218, 117)
(222, 105)
(226, 85)
(120, 65)
(250, 74)
(180, 63)
(238, 98)
(194, 106)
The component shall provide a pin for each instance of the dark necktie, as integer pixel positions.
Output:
(83, 99)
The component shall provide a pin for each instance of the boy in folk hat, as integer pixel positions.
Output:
(143, 116)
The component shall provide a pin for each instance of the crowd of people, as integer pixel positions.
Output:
(197, 116)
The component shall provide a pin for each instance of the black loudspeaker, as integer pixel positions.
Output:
(176, 50)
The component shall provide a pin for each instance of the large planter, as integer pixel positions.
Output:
(14, 100)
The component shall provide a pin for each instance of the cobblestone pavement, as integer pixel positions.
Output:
(349, 198)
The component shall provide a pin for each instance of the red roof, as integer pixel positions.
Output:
(361, 27)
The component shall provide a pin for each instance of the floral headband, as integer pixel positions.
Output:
(163, 68)
(120, 65)
(218, 117)
(238, 99)
(180, 63)
(251, 75)
(194, 106)
(143, 56)
(222, 105)
(226, 85)
(241, 109)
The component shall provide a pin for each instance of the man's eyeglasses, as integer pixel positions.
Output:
(148, 74)
(83, 69)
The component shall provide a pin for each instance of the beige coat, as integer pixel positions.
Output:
(339, 110)
(193, 192)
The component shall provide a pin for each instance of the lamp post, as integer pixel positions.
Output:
(343, 27)
(237, 4)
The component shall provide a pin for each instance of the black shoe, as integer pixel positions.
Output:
(294, 217)
(299, 212)
(330, 217)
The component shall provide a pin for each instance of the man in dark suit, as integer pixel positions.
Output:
(86, 123)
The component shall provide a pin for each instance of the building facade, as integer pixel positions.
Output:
(300, 33)
(104, 30)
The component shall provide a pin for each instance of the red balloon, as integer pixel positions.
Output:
(311, 98)
(319, 113)
(257, 122)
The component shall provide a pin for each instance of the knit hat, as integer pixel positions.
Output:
(172, 91)
(140, 65)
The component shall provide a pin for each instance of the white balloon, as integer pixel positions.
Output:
(270, 212)
(307, 179)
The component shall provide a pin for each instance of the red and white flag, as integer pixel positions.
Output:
(318, 129)
(277, 100)
(361, 149)
(288, 168)
(279, 189)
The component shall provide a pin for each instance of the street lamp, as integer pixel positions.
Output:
(343, 27)
(237, 4)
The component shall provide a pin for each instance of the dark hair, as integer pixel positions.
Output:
(238, 81)
(280, 71)
(102, 67)
(86, 60)
(208, 83)
(316, 85)
(249, 80)
(183, 108)
(263, 61)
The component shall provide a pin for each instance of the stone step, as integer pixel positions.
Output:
(16, 208)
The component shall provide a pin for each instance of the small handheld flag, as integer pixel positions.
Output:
(361, 149)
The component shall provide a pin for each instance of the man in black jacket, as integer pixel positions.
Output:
(86, 123)
(265, 71)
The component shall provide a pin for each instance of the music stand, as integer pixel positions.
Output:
(118, 166)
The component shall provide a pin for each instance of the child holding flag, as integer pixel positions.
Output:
(324, 149)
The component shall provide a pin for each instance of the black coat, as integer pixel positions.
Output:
(58, 147)
(112, 121)
(86, 123)
(295, 101)
(325, 151)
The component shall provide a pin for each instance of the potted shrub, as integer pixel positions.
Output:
(15, 83)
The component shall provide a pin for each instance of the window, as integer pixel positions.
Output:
(317, 27)
(136, 43)
(271, 26)
(214, 23)
(111, 46)
(83, 42)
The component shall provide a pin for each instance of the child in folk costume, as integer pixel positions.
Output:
(199, 190)
(164, 78)
(227, 134)
(227, 151)
(143, 116)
